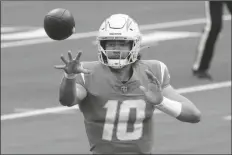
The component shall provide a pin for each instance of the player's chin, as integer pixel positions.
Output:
(116, 68)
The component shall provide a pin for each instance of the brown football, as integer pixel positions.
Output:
(59, 24)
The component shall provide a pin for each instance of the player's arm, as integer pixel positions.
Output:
(72, 89)
(179, 106)
(174, 103)
(71, 93)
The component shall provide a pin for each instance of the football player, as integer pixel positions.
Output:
(119, 93)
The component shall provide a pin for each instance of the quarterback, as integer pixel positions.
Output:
(118, 93)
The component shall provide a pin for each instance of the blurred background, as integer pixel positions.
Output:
(32, 121)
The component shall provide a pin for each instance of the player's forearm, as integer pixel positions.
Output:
(183, 109)
(179, 106)
(67, 96)
(189, 112)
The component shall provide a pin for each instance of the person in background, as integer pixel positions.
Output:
(205, 51)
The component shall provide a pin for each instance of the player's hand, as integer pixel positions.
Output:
(153, 94)
(72, 66)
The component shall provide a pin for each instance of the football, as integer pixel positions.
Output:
(59, 24)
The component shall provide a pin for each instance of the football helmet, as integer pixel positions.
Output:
(118, 27)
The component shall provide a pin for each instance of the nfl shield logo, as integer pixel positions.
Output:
(124, 89)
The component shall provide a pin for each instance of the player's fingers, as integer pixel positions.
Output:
(78, 56)
(70, 55)
(63, 59)
(153, 79)
(150, 75)
(59, 66)
(144, 90)
(157, 82)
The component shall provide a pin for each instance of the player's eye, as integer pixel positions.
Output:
(110, 45)
(122, 44)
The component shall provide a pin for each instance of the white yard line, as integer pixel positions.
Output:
(9, 29)
(94, 33)
(227, 118)
(179, 23)
(62, 108)
(15, 29)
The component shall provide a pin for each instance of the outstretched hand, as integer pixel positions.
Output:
(154, 92)
(72, 66)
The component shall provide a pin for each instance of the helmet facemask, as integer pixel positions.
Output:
(118, 58)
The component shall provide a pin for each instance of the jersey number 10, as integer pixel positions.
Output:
(124, 112)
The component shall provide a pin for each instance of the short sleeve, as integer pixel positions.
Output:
(165, 75)
(80, 79)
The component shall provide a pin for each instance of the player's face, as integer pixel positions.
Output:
(117, 49)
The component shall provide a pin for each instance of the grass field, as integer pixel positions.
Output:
(33, 122)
